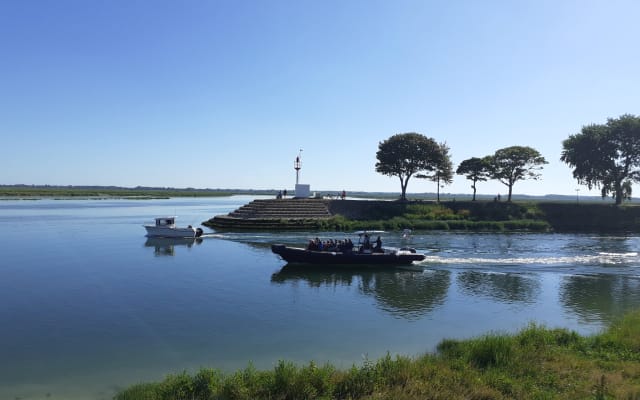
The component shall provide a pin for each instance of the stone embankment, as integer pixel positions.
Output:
(311, 214)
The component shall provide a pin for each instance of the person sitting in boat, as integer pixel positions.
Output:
(378, 247)
(346, 246)
(331, 246)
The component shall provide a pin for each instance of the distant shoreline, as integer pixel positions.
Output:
(98, 193)
(29, 192)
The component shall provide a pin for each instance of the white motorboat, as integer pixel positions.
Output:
(166, 227)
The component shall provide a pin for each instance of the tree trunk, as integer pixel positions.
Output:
(474, 190)
(619, 195)
(438, 189)
(510, 188)
(403, 187)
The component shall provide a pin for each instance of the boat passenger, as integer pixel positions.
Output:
(347, 246)
(366, 243)
(378, 246)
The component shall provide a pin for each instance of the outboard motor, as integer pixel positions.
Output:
(199, 232)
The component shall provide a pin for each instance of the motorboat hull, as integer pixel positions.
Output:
(169, 232)
(296, 255)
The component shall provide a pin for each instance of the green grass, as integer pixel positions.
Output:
(458, 216)
(535, 363)
(340, 223)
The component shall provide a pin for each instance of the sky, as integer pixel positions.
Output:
(225, 93)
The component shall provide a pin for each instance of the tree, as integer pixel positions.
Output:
(406, 154)
(476, 170)
(606, 156)
(443, 171)
(515, 163)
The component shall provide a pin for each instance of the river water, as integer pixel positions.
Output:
(89, 305)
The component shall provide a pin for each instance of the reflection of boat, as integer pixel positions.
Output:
(165, 246)
(166, 227)
(318, 275)
(363, 254)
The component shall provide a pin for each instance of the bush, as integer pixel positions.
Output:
(177, 387)
(490, 351)
(140, 391)
(356, 383)
(392, 372)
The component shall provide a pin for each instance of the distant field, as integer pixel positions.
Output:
(12, 192)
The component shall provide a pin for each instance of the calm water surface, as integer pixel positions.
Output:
(88, 304)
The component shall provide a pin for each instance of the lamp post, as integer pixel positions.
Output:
(297, 165)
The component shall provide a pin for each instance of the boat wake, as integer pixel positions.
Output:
(213, 235)
(630, 258)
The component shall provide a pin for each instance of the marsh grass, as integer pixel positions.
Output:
(535, 363)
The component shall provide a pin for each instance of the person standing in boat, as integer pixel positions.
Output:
(378, 246)
(367, 243)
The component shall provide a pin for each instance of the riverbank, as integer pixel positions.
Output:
(535, 363)
(492, 216)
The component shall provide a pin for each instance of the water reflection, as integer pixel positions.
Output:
(410, 295)
(166, 246)
(503, 287)
(400, 292)
(599, 298)
(602, 245)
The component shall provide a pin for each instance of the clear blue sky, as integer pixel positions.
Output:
(223, 94)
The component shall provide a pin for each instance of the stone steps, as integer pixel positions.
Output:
(274, 214)
(282, 208)
(275, 224)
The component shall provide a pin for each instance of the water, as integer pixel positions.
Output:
(88, 304)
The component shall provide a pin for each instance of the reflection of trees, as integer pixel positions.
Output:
(402, 293)
(410, 294)
(599, 244)
(320, 276)
(600, 298)
(510, 288)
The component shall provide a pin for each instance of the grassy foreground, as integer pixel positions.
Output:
(536, 363)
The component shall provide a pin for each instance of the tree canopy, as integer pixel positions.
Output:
(606, 156)
(407, 154)
(515, 163)
(475, 169)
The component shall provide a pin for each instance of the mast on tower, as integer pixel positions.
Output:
(297, 165)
